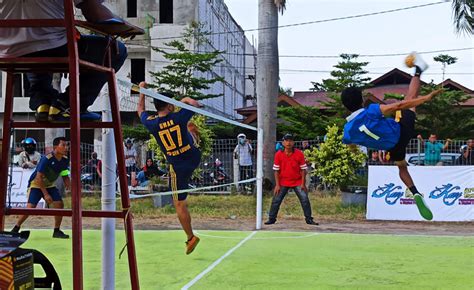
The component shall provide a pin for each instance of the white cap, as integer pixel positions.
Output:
(242, 135)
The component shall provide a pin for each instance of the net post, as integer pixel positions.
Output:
(258, 225)
(108, 198)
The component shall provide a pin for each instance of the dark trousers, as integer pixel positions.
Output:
(246, 172)
(92, 49)
(278, 199)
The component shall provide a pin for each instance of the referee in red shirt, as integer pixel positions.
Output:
(290, 171)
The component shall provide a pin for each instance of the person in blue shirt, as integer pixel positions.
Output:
(433, 149)
(369, 126)
(170, 129)
(42, 184)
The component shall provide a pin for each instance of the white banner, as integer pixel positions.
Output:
(19, 188)
(448, 191)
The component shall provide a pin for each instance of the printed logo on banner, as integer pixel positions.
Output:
(390, 191)
(448, 192)
(393, 193)
(468, 196)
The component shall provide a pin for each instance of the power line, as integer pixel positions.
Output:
(379, 55)
(316, 56)
(315, 21)
(288, 70)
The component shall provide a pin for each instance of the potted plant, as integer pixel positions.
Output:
(336, 164)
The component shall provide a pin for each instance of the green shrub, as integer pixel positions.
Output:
(335, 162)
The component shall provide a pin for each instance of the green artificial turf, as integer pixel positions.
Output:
(275, 260)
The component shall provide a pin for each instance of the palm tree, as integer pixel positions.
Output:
(267, 77)
(462, 16)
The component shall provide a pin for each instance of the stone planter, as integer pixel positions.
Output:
(162, 200)
(354, 195)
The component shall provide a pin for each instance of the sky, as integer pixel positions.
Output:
(421, 29)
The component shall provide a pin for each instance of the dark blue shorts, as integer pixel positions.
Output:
(35, 194)
(180, 176)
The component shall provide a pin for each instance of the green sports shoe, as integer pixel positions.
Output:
(425, 211)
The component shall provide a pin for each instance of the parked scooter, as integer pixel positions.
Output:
(213, 173)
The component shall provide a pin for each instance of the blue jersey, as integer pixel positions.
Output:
(368, 127)
(171, 133)
(52, 168)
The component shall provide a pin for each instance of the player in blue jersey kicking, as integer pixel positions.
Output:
(170, 129)
(369, 127)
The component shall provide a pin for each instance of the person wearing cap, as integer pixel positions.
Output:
(290, 170)
(243, 152)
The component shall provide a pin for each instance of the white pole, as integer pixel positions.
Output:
(108, 200)
(259, 177)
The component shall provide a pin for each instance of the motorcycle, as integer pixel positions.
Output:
(213, 173)
(89, 179)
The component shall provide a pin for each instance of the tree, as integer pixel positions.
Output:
(304, 122)
(136, 132)
(348, 73)
(267, 77)
(444, 116)
(445, 60)
(462, 16)
(285, 91)
(181, 76)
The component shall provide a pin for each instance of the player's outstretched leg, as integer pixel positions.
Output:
(423, 208)
(185, 220)
(415, 60)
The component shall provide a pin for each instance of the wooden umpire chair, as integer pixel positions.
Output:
(71, 65)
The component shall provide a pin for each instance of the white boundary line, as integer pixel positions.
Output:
(267, 238)
(213, 265)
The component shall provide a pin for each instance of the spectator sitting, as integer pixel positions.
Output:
(433, 150)
(29, 157)
(374, 158)
(148, 171)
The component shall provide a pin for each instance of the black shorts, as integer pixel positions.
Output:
(407, 132)
(180, 175)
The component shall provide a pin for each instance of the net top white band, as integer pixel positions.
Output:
(155, 95)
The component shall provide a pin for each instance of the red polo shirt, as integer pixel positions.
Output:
(290, 167)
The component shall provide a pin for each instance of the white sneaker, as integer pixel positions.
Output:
(414, 59)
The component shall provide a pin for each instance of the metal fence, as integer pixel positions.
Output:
(221, 167)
